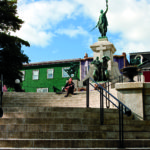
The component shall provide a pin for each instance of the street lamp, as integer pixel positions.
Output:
(17, 81)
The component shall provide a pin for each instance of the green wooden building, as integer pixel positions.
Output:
(45, 76)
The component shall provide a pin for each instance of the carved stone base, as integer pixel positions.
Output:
(105, 48)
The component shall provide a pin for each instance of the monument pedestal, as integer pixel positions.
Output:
(104, 48)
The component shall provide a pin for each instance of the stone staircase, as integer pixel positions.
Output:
(45, 121)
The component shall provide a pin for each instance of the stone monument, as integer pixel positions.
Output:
(103, 47)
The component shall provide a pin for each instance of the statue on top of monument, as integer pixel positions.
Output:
(102, 22)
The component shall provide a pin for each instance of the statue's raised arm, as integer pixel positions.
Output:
(106, 7)
(102, 22)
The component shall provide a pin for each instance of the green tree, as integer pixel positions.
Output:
(11, 46)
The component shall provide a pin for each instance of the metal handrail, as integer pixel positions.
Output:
(120, 79)
(123, 109)
(110, 95)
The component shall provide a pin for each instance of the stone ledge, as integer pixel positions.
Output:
(129, 85)
(146, 85)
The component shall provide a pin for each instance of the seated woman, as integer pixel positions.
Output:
(69, 87)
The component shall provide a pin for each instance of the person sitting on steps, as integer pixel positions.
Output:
(69, 87)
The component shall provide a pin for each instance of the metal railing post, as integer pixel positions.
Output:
(123, 109)
(106, 93)
(101, 107)
(87, 93)
(121, 136)
(108, 96)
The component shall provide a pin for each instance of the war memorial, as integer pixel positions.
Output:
(112, 113)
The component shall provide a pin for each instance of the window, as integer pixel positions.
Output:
(35, 75)
(23, 74)
(65, 74)
(42, 90)
(50, 73)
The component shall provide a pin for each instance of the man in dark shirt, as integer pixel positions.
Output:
(69, 87)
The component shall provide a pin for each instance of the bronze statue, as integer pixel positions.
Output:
(102, 22)
(105, 73)
(97, 71)
(101, 73)
(136, 61)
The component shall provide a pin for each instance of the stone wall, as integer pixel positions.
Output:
(136, 96)
(146, 97)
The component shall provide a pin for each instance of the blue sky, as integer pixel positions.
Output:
(60, 29)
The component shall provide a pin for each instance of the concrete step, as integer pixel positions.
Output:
(5, 121)
(85, 115)
(71, 143)
(39, 99)
(22, 95)
(69, 127)
(78, 100)
(51, 121)
(59, 109)
(74, 148)
(50, 104)
(13, 121)
(74, 135)
(60, 135)
(3, 148)
(64, 143)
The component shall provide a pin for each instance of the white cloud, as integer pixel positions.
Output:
(34, 36)
(129, 18)
(128, 47)
(72, 32)
(132, 22)
(40, 16)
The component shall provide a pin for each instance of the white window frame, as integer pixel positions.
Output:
(34, 75)
(51, 73)
(41, 90)
(23, 75)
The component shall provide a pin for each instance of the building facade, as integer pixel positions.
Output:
(121, 60)
(85, 66)
(45, 76)
(50, 76)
